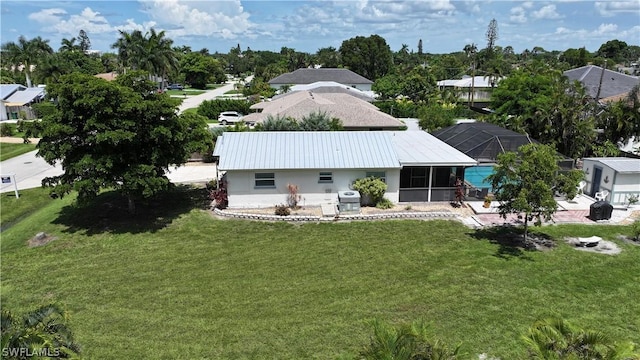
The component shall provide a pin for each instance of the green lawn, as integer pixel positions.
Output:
(9, 150)
(176, 282)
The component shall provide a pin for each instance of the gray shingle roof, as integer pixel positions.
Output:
(305, 150)
(308, 76)
(352, 111)
(613, 82)
(622, 165)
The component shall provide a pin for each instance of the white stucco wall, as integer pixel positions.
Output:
(243, 194)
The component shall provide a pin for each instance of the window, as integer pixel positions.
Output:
(265, 180)
(377, 174)
(325, 177)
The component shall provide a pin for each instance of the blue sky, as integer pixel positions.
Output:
(444, 26)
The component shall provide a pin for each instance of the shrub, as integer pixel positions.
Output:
(294, 198)
(384, 203)
(282, 210)
(6, 129)
(635, 230)
(219, 195)
(212, 108)
(371, 190)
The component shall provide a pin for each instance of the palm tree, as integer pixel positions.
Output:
(557, 339)
(406, 342)
(43, 331)
(25, 54)
(151, 52)
(69, 45)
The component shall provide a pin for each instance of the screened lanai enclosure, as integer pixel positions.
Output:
(429, 183)
(484, 142)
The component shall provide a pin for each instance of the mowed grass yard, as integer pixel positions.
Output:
(178, 283)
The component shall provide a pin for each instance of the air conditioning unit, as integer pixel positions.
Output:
(349, 202)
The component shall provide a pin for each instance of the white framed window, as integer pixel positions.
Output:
(378, 174)
(325, 177)
(265, 180)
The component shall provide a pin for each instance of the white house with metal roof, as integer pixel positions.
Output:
(619, 176)
(258, 166)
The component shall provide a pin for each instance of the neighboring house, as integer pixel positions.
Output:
(330, 87)
(18, 104)
(617, 175)
(480, 86)
(310, 76)
(258, 166)
(601, 83)
(354, 113)
(110, 76)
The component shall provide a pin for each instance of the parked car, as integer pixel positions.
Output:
(229, 117)
(175, 87)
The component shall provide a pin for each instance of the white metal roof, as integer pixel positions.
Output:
(622, 165)
(25, 96)
(419, 148)
(306, 150)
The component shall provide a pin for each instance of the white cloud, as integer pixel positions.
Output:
(609, 8)
(223, 19)
(546, 12)
(605, 29)
(48, 16)
(55, 20)
(518, 15)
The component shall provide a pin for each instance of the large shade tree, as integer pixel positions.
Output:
(370, 56)
(24, 55)
(525, 183)
(120, 135)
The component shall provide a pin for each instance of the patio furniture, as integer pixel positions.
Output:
(581, 187)
(601, 195)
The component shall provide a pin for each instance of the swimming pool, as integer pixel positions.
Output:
(477, 175)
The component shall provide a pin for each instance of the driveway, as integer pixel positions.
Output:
(194, 101)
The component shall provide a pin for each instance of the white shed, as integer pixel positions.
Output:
(619, 176)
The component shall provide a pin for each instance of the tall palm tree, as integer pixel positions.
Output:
(151, 52)
(25, 54)
(41, 330)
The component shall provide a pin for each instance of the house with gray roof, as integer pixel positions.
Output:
(618, 176)
(602, 83)
(259, 166)
(309, 76)
(353, 112)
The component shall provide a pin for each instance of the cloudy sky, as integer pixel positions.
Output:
(444, 26)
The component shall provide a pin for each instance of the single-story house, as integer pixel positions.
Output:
(619, 176)
(353, 112)
(602, 83)
(258, 166)
(309, 76)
